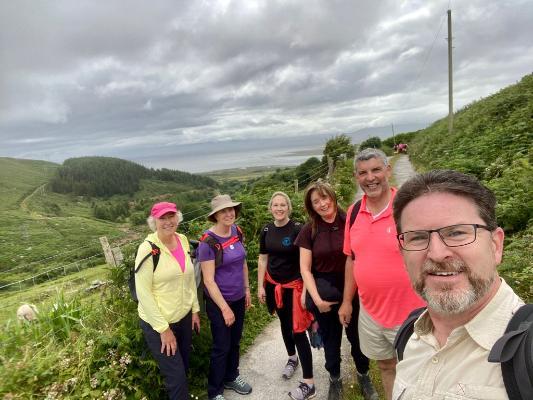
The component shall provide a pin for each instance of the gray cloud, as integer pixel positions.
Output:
(108, 78)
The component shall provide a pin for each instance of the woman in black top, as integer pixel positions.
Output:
(279, 270)
(322, 265)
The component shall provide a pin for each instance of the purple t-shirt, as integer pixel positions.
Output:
(229, 275)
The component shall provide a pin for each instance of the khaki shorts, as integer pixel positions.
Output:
(375, 340)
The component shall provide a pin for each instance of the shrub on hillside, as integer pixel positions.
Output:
(373, 143)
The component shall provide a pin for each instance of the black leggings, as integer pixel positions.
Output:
(293, 341)
(331, 330)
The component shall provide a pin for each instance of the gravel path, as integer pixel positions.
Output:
(261, 366)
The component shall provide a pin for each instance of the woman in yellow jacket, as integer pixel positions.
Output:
(168, 304)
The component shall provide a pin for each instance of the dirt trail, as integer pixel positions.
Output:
(261, 366)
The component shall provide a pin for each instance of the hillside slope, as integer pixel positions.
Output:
(492, 139)
(19, 178)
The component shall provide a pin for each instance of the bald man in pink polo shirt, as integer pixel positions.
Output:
(377, 273)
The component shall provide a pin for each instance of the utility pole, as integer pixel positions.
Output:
(393, 138)
(450, 75)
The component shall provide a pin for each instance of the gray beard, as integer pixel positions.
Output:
(447, 300)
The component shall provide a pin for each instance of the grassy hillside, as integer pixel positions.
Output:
(19, 178)
(493, 140)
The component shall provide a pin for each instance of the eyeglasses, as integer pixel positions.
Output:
(451, 236)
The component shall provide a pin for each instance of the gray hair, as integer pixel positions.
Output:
(447, 181)
(285, 196)
(150, 221)
(367, 154)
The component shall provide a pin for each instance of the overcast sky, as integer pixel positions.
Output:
(116, 77)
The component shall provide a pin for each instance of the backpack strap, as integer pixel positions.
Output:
(355, 211)
(514, 350)
(217, 247)
(154, 253)
(353, 215)
(240, 234)
(405, 332)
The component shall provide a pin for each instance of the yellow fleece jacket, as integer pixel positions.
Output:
(168, 294)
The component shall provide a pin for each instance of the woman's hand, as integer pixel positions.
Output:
(261, 295)
(227, 314)
(345, 313)
(325, 306)
(196, 323)
(168, 342)
(302, 300)
(247, 298)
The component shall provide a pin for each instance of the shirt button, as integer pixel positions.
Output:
(435, 360)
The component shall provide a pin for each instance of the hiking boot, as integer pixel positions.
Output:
(289, 369)
(335, 388)
(218, 397)
(239, 385)
(303, 392)
(367, 388)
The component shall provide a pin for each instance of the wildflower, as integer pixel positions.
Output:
(125, 360)
(94, 382)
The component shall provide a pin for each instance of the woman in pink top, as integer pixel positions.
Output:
(168, 305)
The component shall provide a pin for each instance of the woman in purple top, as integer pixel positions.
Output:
(227, 297)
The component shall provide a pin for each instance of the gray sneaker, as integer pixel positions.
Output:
(239, 385)
(303, 392)
(289, 369)
(367, 388)
(335, 388)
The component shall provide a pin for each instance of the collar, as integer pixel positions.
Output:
(387, 212)
(152, 237)
(498, 311)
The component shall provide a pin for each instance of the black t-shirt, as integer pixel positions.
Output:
(326, 245)
(283, 255)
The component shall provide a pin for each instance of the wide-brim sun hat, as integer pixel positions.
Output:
(160, 209)
(221, 202)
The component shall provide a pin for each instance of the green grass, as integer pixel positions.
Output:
(19, 178)
(42, 294)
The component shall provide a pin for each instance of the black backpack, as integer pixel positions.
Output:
(514, 351)
(154, 253)
(353, 216)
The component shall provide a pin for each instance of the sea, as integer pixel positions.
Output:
(250, 152)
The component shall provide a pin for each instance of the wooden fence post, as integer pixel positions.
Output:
(108, 253)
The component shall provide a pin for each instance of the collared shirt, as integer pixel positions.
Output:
(382, 281)
(167, 294)
(459, 369)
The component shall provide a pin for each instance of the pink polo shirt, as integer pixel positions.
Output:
(382, 281)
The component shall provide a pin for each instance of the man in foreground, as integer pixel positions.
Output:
(385, 293)
(452, 245)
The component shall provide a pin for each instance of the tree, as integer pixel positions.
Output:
(309, 171)
(373, 143)
(338, 147)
